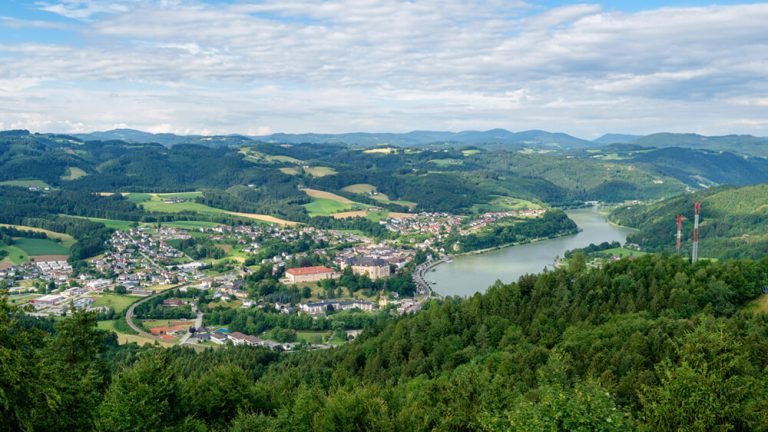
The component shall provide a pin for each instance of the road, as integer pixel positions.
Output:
(129, 312)
(198, 324)
(422, 286)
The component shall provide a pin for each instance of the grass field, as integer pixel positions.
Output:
(371, 191)
(25, 183)
(623, 252)
(138, 197)
(319, 171)
(74, 173)
(383, 150)
(470, 152)
(179, 195)
(191, 224)
(313, 337)
(15, 256)
(360, 188)
(22, 299)
(446, 162)
(66, 239)
(289, 170)
(314, 193)
(123, 338)
(327, 207)
(117, 302)
(36, 247)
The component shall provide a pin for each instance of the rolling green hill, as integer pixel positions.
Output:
(734, 222)
(747, 144)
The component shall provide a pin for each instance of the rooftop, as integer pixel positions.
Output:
(309, 270)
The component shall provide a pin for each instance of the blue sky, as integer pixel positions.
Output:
(255, 67)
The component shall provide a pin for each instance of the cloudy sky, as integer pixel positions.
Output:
(255, 67)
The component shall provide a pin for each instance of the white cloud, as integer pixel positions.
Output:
(340, 65)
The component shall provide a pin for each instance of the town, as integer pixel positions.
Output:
(140, 286)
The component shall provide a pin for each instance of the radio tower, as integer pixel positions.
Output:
(679, 231)
(695, 253)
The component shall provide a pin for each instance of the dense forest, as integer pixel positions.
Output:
(653, 344)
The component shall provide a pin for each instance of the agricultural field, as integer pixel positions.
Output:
(74, 173)
(506, 203)
(26, 183)
(290, 171)
(443, 163)
(66, 239)
(360, 188)
(371, 191)
(470, 152)
(191, 225)
(383, 150)
(114, 224)
(318, 194)
(319, 171)
(15, 256)
(137, 198)
(327, 207)
(37, 247)
(158, 204)
(328, 204)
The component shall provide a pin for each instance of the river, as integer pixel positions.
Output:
(469, 274)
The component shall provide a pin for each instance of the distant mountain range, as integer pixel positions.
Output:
(494, 138)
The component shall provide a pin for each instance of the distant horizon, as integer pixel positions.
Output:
(600, 135)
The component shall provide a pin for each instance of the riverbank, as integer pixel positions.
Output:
(475, 271)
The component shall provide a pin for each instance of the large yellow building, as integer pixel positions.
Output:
(375, 268)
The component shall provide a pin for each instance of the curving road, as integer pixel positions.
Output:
(129, 312)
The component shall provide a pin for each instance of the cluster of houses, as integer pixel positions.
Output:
(43, 268)
(129, 255)
(436, 224)
(488, 218)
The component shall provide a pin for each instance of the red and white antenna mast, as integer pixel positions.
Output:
(695, 253)
(679, 232)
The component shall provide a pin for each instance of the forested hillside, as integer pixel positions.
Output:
(654, 344)
(248, 176)
(734, 222)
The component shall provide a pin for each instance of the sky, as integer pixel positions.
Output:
(259, 67)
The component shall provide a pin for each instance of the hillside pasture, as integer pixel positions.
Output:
(66, 239)
(37, 247)
(74, 173)
(191, 224)
(318, 194)
(25, 183)
(292, 171)
(360, 188)
(328, 207)
(15, 256)
(319, 171)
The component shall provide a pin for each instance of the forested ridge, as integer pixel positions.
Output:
(734, 222)
(650, 344)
